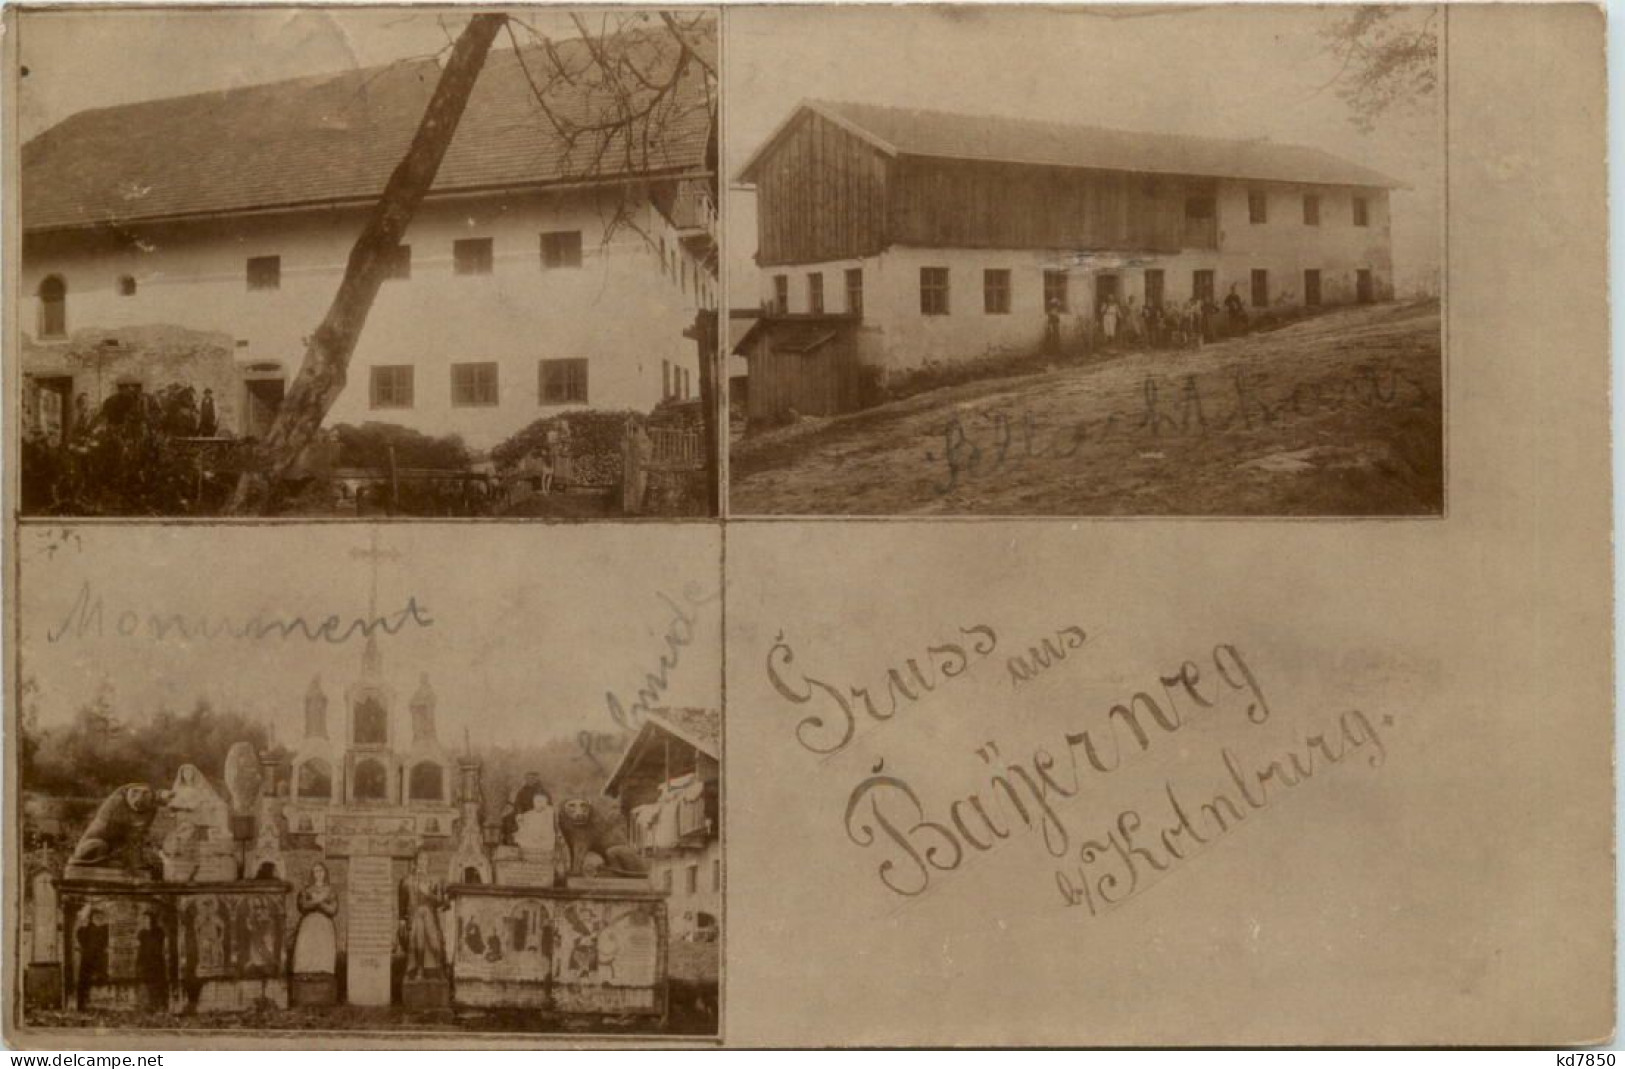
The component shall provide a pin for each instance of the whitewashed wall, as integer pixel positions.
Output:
(620, 309)
(898, 337)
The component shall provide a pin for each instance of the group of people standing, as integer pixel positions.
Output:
(1160, 325)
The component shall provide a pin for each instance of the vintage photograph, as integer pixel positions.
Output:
(370, 789)
(1128, 260)
(316, 262)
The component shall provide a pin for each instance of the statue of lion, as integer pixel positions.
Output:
(117, 834)
(585, 833)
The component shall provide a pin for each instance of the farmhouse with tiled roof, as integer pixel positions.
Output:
(546, 269)
(920, 236)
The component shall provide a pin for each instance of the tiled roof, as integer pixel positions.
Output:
(336, 138)
(914, 132)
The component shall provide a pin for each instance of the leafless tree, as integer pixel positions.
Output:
(612, 98)
(1388, 56)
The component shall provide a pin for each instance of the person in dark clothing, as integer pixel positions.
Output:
(92, 956)
(207, 421)
(1052, 327)
(1236, 310)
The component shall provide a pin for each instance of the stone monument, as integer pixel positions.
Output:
(315, 947)
(426, 984)
(199, 941)
(200, 847)
(42, 983)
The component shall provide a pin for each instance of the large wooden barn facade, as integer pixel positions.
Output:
(927, 237)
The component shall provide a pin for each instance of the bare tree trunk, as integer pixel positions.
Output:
(323, 373)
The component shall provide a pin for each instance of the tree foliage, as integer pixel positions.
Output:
(130, 460)
(100, 748)
(1388, 57)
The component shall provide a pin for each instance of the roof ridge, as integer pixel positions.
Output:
(1264, 139)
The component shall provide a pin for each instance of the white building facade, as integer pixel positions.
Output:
(536, 277)
(504, 309)
(947, 236)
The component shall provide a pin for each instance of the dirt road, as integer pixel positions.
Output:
(1336, 415)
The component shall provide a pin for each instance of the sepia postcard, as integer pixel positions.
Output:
(828, 704)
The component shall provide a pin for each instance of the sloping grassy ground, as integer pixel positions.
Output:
(1339, 415)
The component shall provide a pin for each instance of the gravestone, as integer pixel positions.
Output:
(42, 984)
(369, 929)
(43, 935)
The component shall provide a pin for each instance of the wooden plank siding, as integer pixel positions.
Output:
(943, 203)
(821, 195)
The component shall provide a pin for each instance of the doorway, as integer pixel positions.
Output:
(1107, 287)
(264, 402)
(1362, 285)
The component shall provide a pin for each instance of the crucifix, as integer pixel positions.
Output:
(375, 554)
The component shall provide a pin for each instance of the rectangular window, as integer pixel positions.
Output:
(1311, 209)
(474, 385)
(1362, 212)
(1155, 287)
(815, 293)
(781, 294)
(1202, 285)
(716, 874)
(691, 881)
(561, 248)
(665, 881)
(264, 272)
(854, 291)
(471, 256)
(1311, 288)
(934, 291)
(1261, 288)
(564, 382)
(1055, 294)
(996, 291)
(1258, 206)
(400, 262)
(392, 386)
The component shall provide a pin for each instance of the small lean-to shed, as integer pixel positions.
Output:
(808, 363)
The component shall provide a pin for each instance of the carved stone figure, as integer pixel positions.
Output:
(117, 836)
(199, 848)
(422, 897)
(585, 834)
(194, 802)
(315, 948)
(538, 831)
(243, 779)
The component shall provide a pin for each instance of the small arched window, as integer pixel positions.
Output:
(371, 781)
(315, 779)
(427, 783)
(53, 307)
(126, 285)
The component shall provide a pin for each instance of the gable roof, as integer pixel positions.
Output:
(997, 139)
(336, 138)
(699, 728)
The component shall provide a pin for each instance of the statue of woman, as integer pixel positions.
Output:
(196, 805)
(315, 948)
(422, 897)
